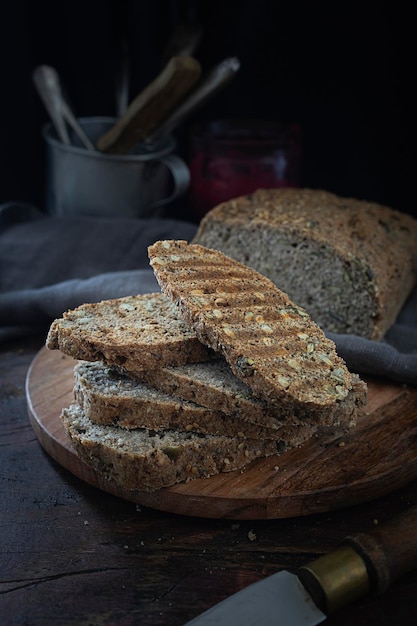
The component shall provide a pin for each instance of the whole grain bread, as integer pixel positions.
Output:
(213, 383)
(269, 342)
(351, 264)
(147, 460)
(135, 332)
(108, 396)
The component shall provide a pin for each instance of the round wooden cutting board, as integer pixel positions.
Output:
(329, 472)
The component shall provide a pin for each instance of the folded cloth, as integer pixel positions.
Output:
(51, 264)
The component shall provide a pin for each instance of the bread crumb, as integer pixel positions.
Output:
(251, 535)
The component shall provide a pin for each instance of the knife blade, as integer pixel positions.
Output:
(279, 599)
(366, 563)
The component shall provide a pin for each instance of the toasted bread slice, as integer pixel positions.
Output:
(269, 342)
(135, 332)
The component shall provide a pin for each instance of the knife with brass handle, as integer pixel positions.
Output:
(366, 563)
(151, 105)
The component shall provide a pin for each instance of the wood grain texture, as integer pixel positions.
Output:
(327, 473)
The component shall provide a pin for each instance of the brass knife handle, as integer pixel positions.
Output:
(364, 563)
(389, 550)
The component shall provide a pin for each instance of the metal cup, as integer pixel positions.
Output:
(84, 182)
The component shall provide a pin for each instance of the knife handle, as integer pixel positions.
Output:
(151, 105)
(364, 563)
(389, 551)
(206, 89)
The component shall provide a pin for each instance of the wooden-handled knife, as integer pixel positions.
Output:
(207, 88)
(367, 563)
(151, 105)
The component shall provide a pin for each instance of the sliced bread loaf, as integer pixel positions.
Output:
(147, 460)
(269, 342)
(107, 396)
(135, 332)
(351, 264)
(213, 383)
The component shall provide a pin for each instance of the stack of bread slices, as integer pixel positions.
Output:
(216, 370)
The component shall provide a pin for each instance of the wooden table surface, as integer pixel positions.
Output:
(71, 554)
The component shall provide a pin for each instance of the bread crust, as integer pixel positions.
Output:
(212, 383)
(146, 460)
(135, 332)
(109, 397)
(350, 263)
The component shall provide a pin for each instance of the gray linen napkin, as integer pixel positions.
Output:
(50, 264)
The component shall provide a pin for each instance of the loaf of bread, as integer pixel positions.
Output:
(351, 264)
(135, 332)
(269, 342)
(108, 396)
(147, 460)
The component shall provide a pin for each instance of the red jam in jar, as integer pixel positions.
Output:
(230, 158)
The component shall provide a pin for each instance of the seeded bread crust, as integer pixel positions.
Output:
(109, 397)
(351, 264)
(269, 342)
(213, 384)
(147, 460)
(135, 332)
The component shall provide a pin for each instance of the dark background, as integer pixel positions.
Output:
(344, 72)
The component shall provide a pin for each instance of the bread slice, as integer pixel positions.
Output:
(147, 460)
(213, 383)
(107, 396)
(351, 264)
(135, 332)
(269, 342)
